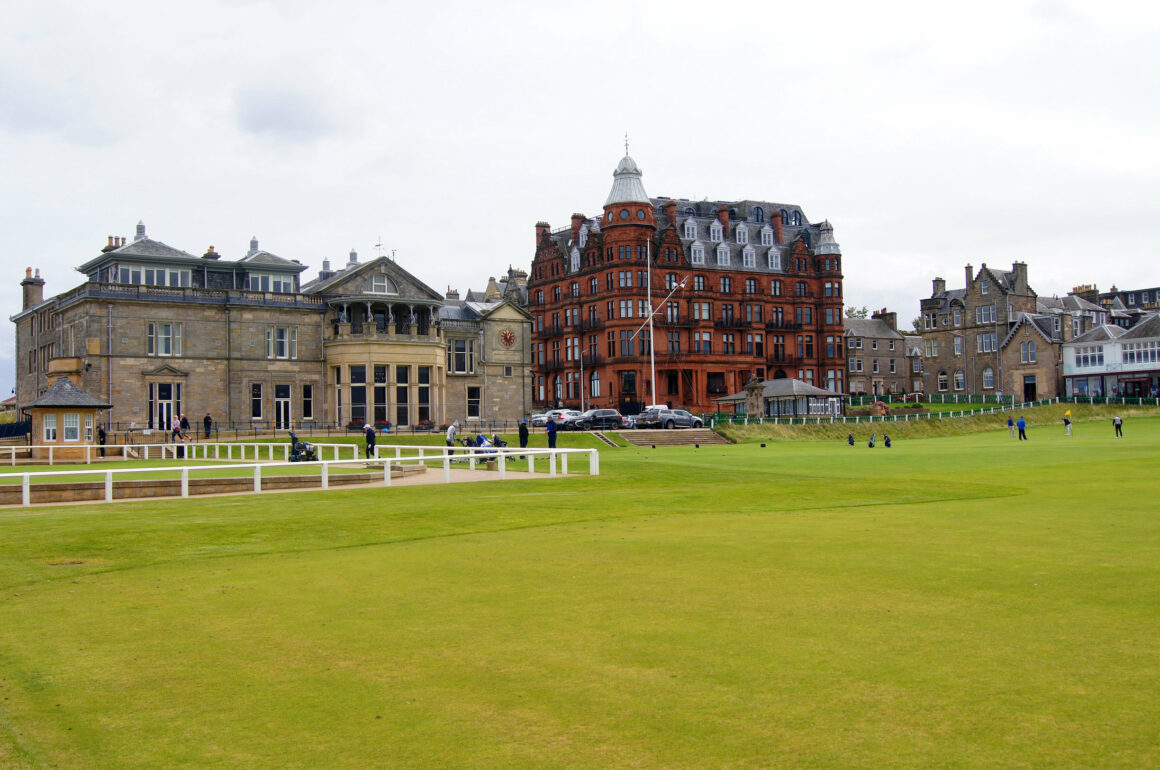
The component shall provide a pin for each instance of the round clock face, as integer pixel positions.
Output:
(507, 337)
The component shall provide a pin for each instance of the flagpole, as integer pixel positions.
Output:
(652, 351)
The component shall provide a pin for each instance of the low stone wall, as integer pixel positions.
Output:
(75, 492)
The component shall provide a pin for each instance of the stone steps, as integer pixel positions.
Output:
(675, 437)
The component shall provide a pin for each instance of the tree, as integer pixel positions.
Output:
(917, 323)
(857, 312)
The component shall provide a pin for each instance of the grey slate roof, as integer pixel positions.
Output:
(1145, 329)
(1100, 334)
(63, 393)
(147, 247)
(869, 327)
(785, 388)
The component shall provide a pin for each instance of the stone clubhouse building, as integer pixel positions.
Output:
(158, 332)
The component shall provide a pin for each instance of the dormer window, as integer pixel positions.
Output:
(690, 228)
(758, 214)
(742, 234)
(749, 257)
(715, 233)
(575, 259)
(774, 258)
(697, 254)
(722, 254)
(797, 219)
(767, 236)
(283, 284)
(583, 236)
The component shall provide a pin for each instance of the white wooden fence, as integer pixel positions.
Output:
(403, 455)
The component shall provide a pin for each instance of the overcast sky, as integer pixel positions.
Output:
(931, 135)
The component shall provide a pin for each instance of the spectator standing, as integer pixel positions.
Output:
(1067, 422)
(101, 438)
(370, 434)
(551, 430)
(1116, 421)
(1022, 425)
(452, 429)
(1010, 427)
(524, 433)
(208, 422)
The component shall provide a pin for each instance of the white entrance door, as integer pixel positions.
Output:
(282, 407)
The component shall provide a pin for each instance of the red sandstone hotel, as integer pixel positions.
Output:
(741, 289)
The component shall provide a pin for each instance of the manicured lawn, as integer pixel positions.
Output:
(962, 601)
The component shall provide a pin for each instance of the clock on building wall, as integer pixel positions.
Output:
(507, 337)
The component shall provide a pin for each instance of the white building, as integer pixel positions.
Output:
(1111, 361)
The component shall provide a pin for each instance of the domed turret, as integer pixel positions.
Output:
(626, 185)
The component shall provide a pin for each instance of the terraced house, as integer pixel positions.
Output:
(997, 336)
(157, 332)
(738, 290)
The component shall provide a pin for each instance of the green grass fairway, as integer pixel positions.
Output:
(960, 601)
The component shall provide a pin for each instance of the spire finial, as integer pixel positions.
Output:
(626, 143)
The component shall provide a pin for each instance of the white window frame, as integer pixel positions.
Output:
(749, 257)
(289, 343)
(742, 234)
(49, 429)
(774, 259)
(72, 427)
(716, 232)
(697, 254)
(690, 229)
(723, 255)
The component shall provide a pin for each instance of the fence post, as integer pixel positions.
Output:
(551, 463)
(185, 482)
(386, 473)
(531, 463)
(25, 489)
(50, 455)
(325, 476)
(502, 465)
(108, 486)
(564, 463)
(446, 469)
(593, 462)
(257, 478)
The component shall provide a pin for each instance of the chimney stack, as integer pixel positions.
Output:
(1019, 273)
(33, 288)
(723, 218)
(140, 231)
(542, 229)
(890, 319)
(353, 258)
(775, 218)
(970, 274)
(938, 286)
(577, 220)
(670, 209)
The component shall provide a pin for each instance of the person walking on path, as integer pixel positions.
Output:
(1067, 422)
(1010, 427)
(208, 422)
(551, 428)
(523, 434)
(1022, 425)
(1116, 421)
(370, 434)
(101, 438)
(452, 429)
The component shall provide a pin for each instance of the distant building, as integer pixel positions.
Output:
(876, 355)
(1127, 307)
(157, 332)
(996, 335)
(1111, 361)
(741, 290)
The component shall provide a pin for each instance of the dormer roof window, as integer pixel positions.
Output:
(749, 257)
(774, 259)
(722, 254)
(742, 234)
(697, 253)
(715, 232)
(767, 236)
(690, 228)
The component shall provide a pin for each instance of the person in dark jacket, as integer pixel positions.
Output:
(101, 437)
(850, 439)
(208, 422)
(551, 430)
(524, 433)
(370, 433)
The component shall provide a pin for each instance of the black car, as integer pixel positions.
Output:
(596, 419)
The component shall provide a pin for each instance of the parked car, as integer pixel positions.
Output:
(668, 418)
(630, 421)
(596, 419)
(560, 416)
(538, 420)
